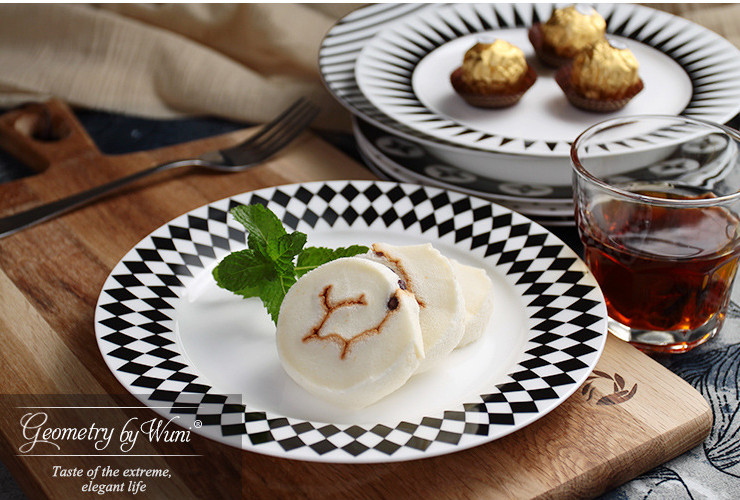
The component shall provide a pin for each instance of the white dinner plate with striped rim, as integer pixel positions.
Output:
(421, 162)
(370, 60)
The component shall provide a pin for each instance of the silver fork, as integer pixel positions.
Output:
(273, 137)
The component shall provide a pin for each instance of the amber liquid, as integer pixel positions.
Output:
(661, 269)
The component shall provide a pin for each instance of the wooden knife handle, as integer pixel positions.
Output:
(41, 134)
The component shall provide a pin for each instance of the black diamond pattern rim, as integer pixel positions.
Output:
(134, 319)
(391, 175)
(711, 63)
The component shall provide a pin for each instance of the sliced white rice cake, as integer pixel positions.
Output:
(349, 333)
(428, 275)
(477, 290)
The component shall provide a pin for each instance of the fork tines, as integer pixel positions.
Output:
(274, 135)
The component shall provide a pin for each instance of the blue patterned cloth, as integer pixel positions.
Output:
(712, 469)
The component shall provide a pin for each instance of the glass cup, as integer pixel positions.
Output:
(656, 204)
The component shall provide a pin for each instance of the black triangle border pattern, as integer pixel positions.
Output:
(681, 45)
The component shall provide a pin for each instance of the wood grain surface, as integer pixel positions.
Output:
(51, 275)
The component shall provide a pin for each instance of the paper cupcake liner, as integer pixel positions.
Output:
(492, 100)
(545, 54)
(563, 78)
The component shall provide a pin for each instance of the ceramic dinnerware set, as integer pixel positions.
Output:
(390, 65)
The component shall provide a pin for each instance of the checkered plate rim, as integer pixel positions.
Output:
(565, 308)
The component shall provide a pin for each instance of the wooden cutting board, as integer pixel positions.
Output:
(630, 417)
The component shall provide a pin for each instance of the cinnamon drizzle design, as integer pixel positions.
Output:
(331, 307)
(405, 281)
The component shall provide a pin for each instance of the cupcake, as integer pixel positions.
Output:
(566, 33)
(604, 77)
(493, 75)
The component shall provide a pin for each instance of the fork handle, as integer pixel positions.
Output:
(41, 213)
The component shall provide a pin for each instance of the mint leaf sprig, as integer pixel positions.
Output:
(267, 268)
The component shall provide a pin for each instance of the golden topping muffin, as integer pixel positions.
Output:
(605, 70)
(497, 65)
(493, 75)
(604, 77)
(566, 33)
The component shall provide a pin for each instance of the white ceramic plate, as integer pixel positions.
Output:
(392, 68)
(189, 349)
(417, 161)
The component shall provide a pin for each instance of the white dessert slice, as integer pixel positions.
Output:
(348, 333)
(428, 275)
(477, 290)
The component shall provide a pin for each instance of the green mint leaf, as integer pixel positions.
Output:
(257, 243)
(252, 291)
(283, 251)
(267, 268)
(261, 224)
(273, 292)
(243, 269)
(312, 257)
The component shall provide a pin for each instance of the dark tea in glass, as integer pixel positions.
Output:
(662, 269)
(657, 200)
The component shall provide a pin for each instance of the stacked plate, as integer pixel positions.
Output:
(390, 65)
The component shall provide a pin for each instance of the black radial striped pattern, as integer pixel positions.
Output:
(413, 31)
